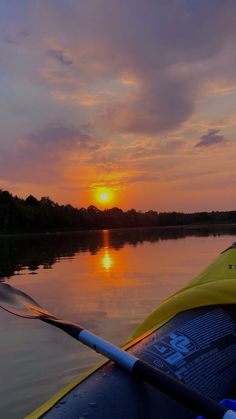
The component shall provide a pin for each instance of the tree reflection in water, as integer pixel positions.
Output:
(19, 252)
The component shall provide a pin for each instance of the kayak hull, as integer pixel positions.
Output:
(197, 347)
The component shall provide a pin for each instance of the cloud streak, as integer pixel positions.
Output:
(60, 56)
(211, 139)
(59, 136)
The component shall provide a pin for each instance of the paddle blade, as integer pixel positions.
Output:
(20, 304)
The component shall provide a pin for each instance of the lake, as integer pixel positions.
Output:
(108, 281)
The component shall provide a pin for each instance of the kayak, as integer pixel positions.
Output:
(191, 336)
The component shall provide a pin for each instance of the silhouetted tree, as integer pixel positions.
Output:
(32, 201)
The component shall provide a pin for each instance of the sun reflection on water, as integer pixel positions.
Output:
(107, 260)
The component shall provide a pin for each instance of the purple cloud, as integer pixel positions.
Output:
(168, 48)
(59, 55)
(46, 151)
(59, 136)
(212, 138)
(169, 59)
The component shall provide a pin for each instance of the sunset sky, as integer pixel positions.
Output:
(136, 97)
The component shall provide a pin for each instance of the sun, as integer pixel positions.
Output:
(104, 196)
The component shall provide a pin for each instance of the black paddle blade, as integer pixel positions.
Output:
(17, 302)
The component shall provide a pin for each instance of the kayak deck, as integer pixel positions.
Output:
(197, 347)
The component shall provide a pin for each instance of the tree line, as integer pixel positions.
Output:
(33, 215)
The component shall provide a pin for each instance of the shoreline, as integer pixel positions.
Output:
(88, 231)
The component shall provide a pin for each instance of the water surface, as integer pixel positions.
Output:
(109, 281)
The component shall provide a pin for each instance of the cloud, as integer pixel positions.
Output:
(161, 104)
(59, 136)
(168, 52)
(113, 156)
(30, 165)
(42, 156)
(169, 60)
(60, 55)
(212, 138)
(17, 38)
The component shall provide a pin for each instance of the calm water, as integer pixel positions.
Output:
(108, 281)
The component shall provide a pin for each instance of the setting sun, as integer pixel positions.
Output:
(104, 196)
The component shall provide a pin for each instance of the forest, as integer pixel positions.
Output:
(33, 215)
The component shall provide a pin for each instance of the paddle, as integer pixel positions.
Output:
(20, 304)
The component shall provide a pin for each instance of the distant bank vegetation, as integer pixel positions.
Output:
(33, 215)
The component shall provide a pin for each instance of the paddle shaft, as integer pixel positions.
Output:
(141, 370)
